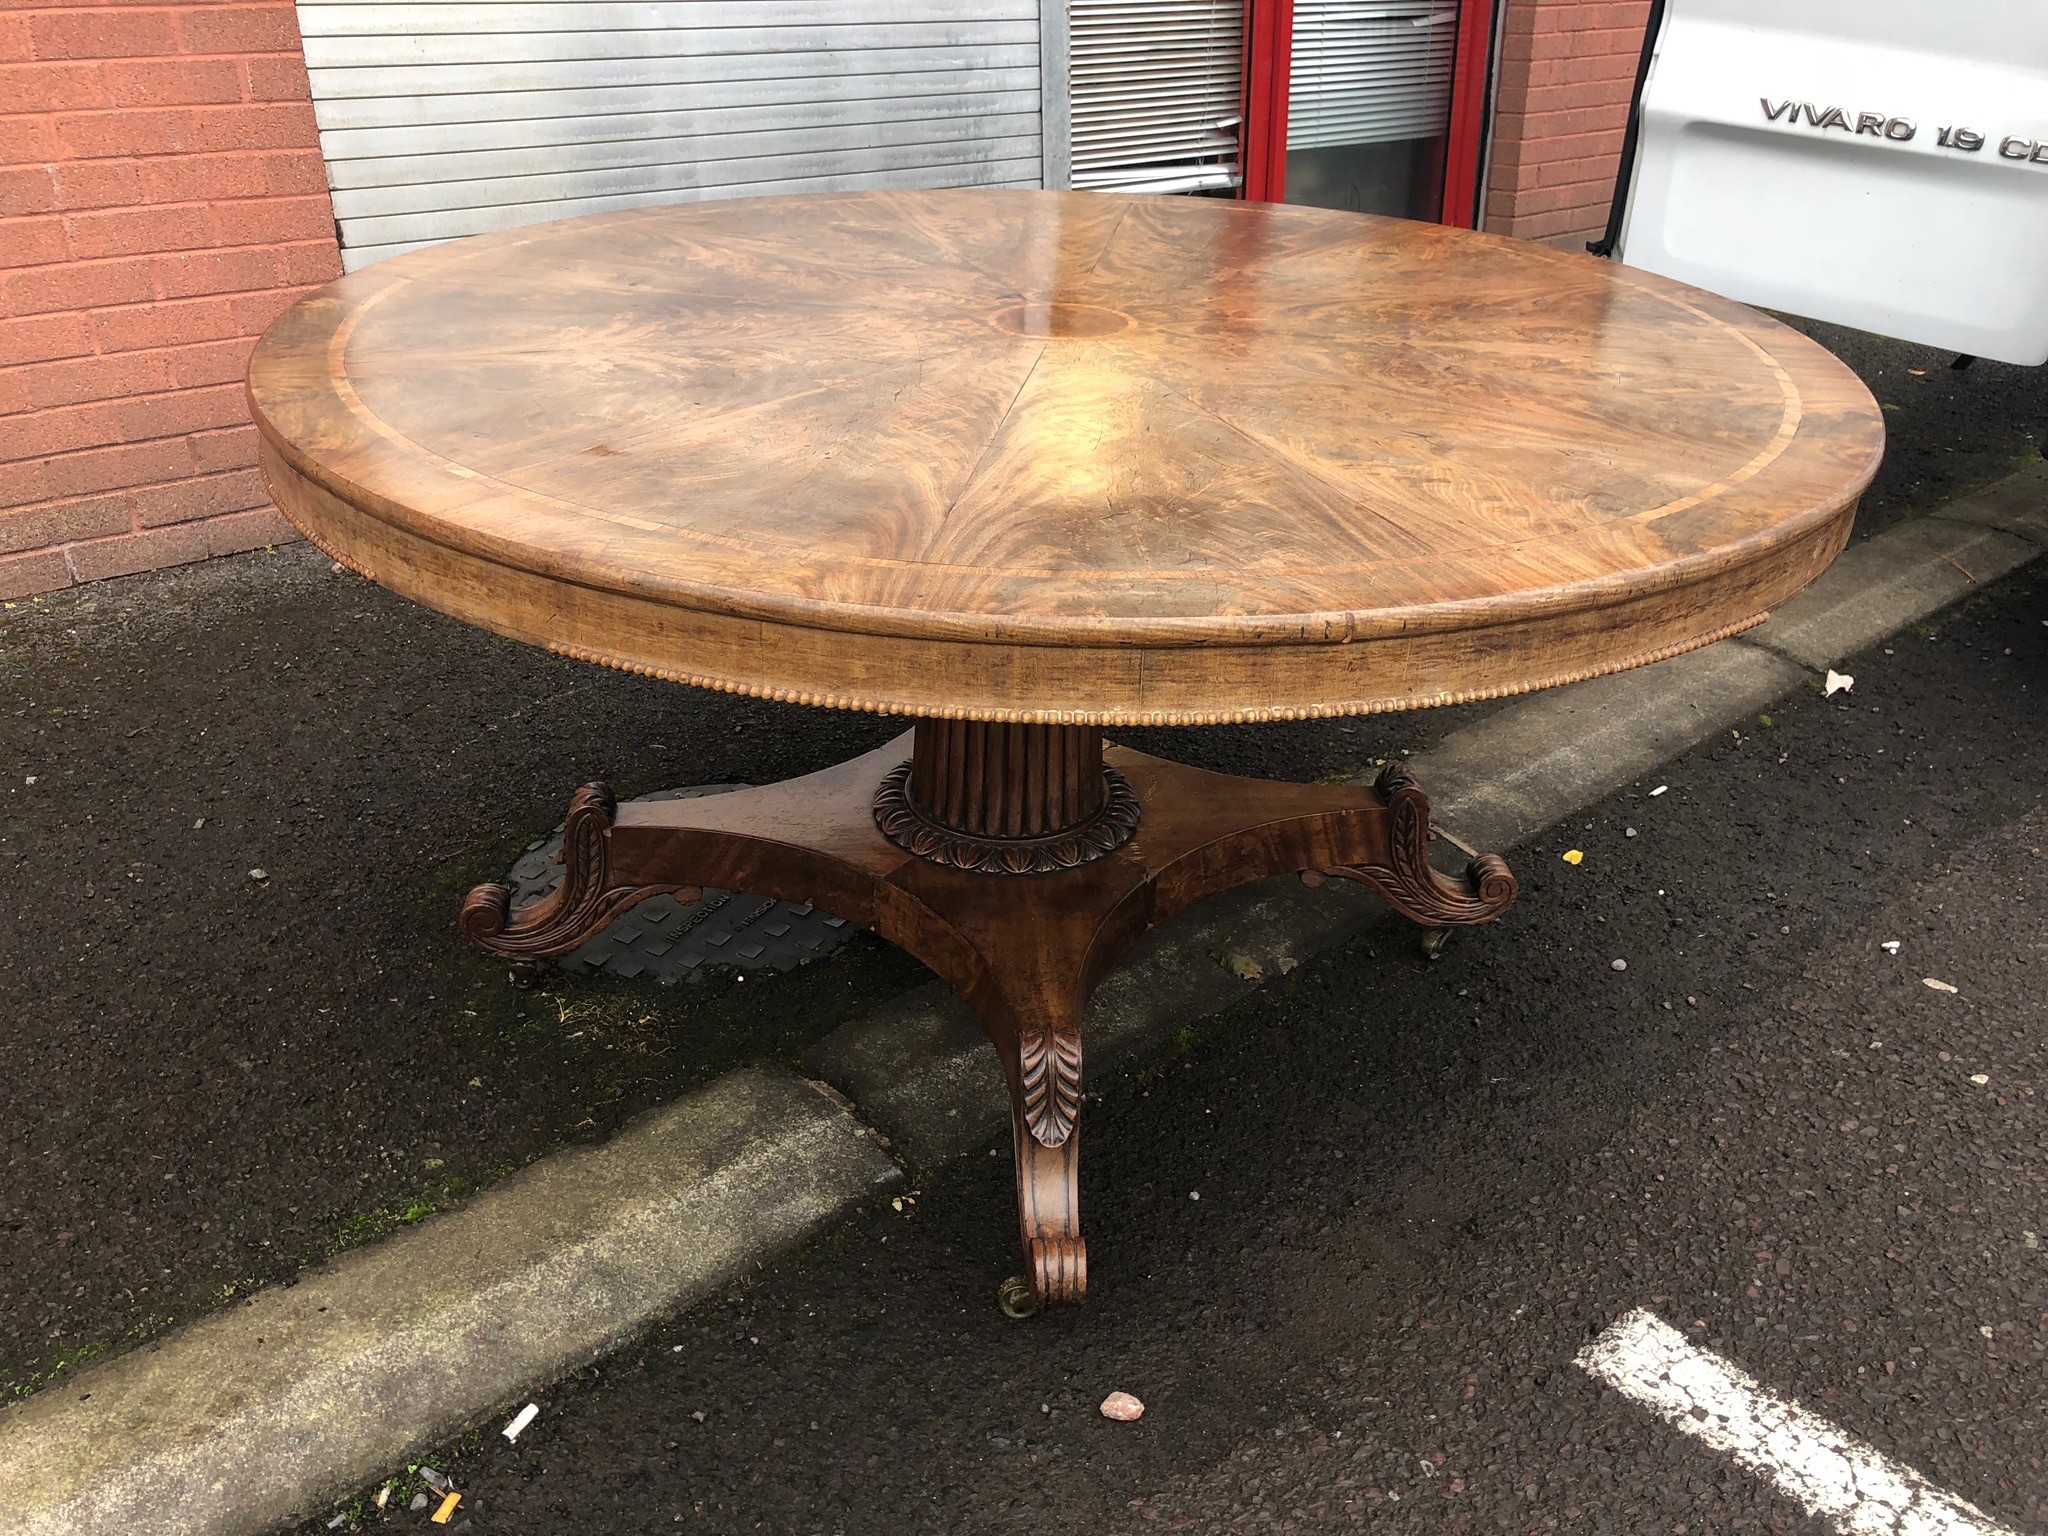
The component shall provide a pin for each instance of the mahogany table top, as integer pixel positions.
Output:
(1060, 456)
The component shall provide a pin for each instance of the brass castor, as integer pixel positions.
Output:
(1016, 1297)
(1433, 942)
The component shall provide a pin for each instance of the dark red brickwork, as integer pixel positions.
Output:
(162, 197)
(1567, 70)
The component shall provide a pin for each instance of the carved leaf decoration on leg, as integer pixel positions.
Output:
(576, 910)
(1049, 1064)
(1414, 887)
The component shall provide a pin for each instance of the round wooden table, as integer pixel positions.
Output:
(1024, 465)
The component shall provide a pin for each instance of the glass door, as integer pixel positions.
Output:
(1369, 105)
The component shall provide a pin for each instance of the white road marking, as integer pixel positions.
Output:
(1859, 1491)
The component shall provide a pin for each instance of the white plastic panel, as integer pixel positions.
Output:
(1878, 216)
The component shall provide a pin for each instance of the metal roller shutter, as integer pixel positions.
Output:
(441, 118)
(1156, 94)
(1370, 71)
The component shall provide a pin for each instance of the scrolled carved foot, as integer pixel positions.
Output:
(1059, 1270)
(1413, 886)
(1046, 1140)
(575, 911)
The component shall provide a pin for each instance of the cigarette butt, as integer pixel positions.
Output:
(520, 1420)
(447, 1510)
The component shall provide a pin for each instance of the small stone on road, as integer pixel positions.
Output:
(1122, 1407)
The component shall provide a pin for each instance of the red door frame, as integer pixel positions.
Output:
(1268, 64)
(1268, 61)
(1467, 131)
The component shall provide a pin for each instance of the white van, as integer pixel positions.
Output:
(1879, 163)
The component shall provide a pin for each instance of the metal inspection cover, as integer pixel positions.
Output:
(665, 941)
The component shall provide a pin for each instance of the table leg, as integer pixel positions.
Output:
(1043, 1066)
(1018, 862)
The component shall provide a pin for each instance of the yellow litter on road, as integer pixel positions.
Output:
(1574, 856)
(447, 1510)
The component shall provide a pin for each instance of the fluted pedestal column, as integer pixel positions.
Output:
(1007, 799)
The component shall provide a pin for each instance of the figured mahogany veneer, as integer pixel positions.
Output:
(1027, 465)
(1062, 457)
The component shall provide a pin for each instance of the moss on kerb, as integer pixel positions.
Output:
(64, 1360)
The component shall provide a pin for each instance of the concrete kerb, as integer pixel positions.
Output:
(263, 1413)
(330, 1383)
(1887, 583)
(2017, 504)
(1519, 770)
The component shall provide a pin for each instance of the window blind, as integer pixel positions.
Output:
(1155, 88)
(1370, 71)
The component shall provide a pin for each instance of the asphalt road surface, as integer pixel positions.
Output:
(1347, 1243)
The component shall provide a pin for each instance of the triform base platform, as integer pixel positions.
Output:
(1018, 862)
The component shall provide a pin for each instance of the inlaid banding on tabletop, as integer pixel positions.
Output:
(990, 454)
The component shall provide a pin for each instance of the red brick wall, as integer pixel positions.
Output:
(1567, 70)
(162, 197)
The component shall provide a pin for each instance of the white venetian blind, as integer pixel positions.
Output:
(1369, 71)
(1156, 89)
(441, 118)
